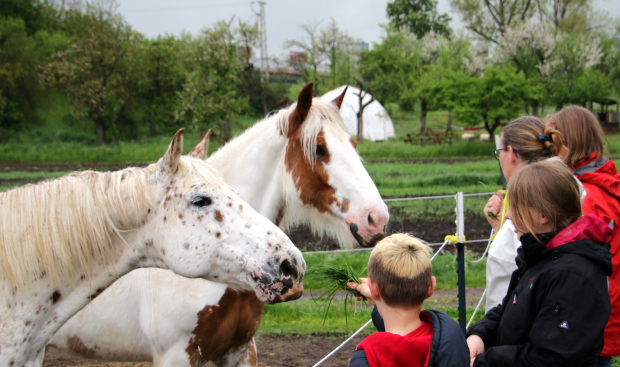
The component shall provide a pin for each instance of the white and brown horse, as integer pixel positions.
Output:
(62, 242)
(296, 166)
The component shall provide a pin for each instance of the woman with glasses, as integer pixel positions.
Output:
(523, 141)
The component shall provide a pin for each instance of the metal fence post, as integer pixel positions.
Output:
(460, 259)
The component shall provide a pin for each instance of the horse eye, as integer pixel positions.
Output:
(320, 151)
(202, 201)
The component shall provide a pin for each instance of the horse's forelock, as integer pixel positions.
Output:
(201, 169)
(321, 112)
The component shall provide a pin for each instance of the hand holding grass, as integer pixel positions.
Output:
(493, 210)
(361, 290)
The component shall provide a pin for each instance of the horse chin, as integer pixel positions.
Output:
(272, 297)
(361, 241)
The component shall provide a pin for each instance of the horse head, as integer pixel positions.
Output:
(200, 227)
(330, 182)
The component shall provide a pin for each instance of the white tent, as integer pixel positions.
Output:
(377, 123)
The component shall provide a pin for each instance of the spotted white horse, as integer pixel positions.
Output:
(296, 166)
(64, 241)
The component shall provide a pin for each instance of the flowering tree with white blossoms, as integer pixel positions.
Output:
(550, 59)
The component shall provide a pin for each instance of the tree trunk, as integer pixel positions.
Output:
(490, 128)
(535, 108)
(100, 132)
(423, 117)
(360, 125)
(449, 127)
(225, 129)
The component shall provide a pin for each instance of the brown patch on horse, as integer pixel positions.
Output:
(311, 181)
(230, 324)
(78, 347)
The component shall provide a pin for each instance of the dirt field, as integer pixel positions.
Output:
(300, 350)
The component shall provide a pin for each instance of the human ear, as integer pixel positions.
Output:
(431, 288)
(513, 155)
(374, 290)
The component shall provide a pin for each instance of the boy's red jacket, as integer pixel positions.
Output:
(602, 185)
(411, 350)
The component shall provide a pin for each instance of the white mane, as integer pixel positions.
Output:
(58, 228)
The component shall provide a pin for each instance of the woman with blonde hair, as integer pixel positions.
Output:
(587, 157)
(557, 304)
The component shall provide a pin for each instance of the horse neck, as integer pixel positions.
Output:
(253, 163)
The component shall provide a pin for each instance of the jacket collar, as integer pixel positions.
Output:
(588, 227)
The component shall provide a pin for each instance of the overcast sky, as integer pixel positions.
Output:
(359, 18)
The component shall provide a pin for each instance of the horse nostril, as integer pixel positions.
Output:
(370, 220)
(287, 269)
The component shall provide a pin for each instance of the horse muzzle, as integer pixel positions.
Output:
(282, 284)
(371, 242)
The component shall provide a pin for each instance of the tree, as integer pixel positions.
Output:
(159, 75)
(570, 71)
(18, 79)
(360, 108)
(390, 69)
(493, 99)
(327, 49)
(35, 14)
(91, 69)
(528, 46)
(490, 19)
(448, 57)
(212, 92)
(313, 58)
(419, 17)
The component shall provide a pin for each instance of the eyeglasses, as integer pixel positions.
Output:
(496, 152)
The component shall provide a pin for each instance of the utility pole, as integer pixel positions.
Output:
(262, 28)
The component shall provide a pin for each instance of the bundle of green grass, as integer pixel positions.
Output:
(334, 279)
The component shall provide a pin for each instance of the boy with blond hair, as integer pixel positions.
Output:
(399, 280)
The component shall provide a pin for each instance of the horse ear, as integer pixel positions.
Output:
(170, 161)
(200, 150)
(304, 102)
(338, 100)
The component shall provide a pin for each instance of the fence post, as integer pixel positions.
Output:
(460, 259)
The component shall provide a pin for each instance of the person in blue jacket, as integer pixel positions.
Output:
(399, 280)
(557, 304)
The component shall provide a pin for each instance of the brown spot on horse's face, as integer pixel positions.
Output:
(218, 216)
(310, 178)
(230, 324)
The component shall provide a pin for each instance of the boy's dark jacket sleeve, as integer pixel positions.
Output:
(448, 347)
